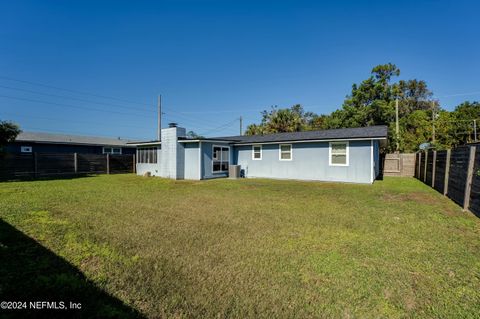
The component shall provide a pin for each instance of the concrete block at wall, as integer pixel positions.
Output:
(172, 159)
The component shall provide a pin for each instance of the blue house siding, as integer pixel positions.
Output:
(183, 158)
(310, 161)
(206, 151)
(192, 165)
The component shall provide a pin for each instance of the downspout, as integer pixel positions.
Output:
(372, 166)
(199, 160)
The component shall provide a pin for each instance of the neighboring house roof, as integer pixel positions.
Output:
(334, 134)
(39, 137)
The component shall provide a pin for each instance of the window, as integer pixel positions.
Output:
(147, 155)
(256, 152)
(285, 152)
(338, 153)
(220, 158)
(25, 149)
(112, 150)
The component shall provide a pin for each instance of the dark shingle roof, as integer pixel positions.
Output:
(69, 139)
(344, 133)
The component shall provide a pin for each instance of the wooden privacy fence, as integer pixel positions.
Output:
(399, 165)
(14, 166)
(454, 173)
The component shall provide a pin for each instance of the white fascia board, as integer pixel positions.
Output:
(188, 141)
(309, 141)
(146, 144)
(72, 143)
(205, 141)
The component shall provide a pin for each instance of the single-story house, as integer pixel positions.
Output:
(343, 155)
(36, 142)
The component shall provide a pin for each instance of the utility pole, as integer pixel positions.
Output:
(433, 122)
(397, 125)
(475, 130)
(159, 119)
(241, 125)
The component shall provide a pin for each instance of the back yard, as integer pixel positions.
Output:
(124, 245)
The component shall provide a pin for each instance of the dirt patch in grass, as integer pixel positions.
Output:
(445, 206)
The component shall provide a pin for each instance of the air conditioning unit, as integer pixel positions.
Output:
(234, 171)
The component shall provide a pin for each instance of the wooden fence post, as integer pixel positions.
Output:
(416, 165)
(134, 164)
(75, 162)
(433, 168)
(425, 168)
(108, 163)
(468, 185)
(447, 173)
(419, 164)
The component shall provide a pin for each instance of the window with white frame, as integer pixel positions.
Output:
(25, 149)
(285, 152)
(257, 152)
(338, 153)
(147, 155)
(220, 158)
(112, 150)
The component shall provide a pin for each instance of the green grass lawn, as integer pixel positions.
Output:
(124, 245)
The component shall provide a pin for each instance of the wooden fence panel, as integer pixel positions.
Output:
(458, 174)
(17, 166)
(91, 164)
(475, 194)
(429, 172)
(440, 165)
(121, 164)
(55, 164)
(399, 164)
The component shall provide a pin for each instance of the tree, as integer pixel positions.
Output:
(415, 129)
(413, 95)
(277, 120)
(463, 116)
(8, 133)
(372, 102)
(254, 129)
(193, 135)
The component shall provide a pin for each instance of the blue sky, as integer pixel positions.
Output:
(214, 61)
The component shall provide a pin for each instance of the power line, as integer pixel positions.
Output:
(177, 117)
(72, 91)
(84, 100)
(460, 94)
(67, 121)
(71, 106)
(73, 98)
(220, 127)
(260, 109)
(182, 114)
(77, 132)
